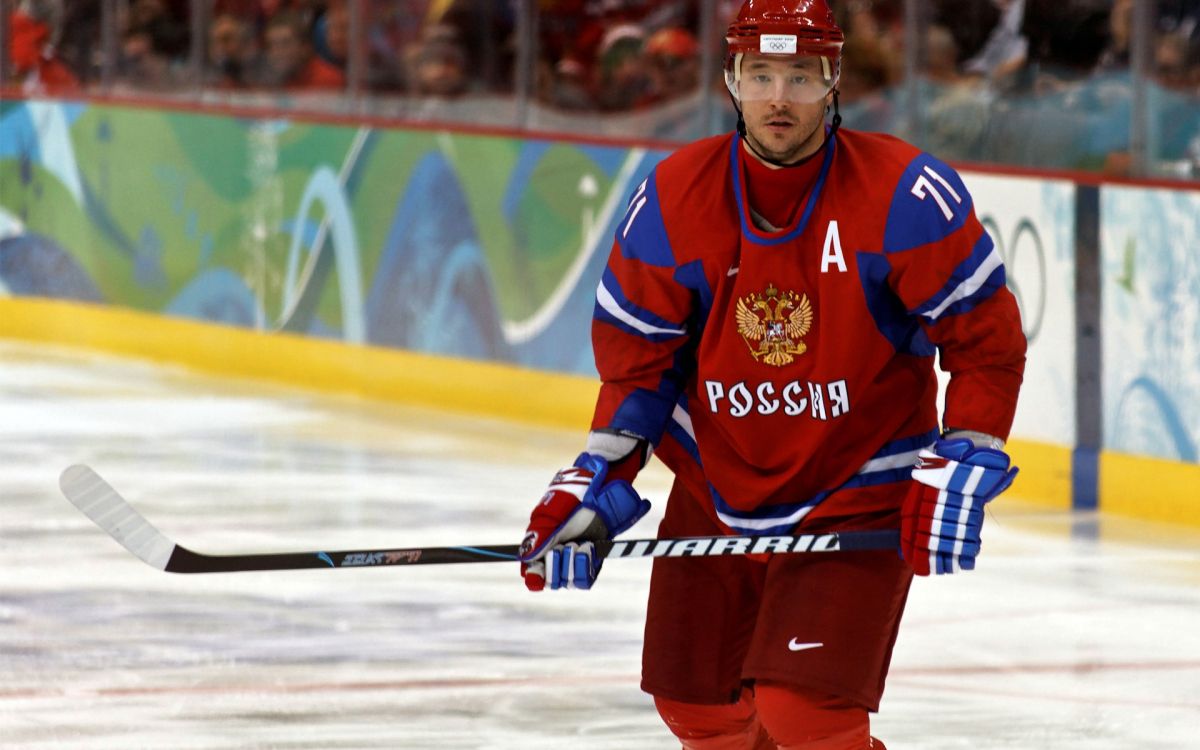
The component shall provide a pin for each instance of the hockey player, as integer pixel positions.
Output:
(767, 325)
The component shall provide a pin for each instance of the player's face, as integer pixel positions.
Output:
(783, 103)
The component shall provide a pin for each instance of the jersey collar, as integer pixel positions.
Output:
(751, 232)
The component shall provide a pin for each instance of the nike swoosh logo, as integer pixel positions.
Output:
(794, 645)
(732, 271)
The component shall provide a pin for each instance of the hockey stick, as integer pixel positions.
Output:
(104, 505)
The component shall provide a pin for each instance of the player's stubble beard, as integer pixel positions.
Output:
(803, 137)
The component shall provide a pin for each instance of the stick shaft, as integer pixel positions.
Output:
(98, 500)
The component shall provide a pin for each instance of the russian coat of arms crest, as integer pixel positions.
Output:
(773, 324)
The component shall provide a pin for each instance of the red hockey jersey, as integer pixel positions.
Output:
(789, 374)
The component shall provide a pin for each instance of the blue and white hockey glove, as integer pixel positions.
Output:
(579, 508)
(943, 511)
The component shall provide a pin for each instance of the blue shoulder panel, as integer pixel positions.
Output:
(891, 318)
(929, 204)
(641, 232)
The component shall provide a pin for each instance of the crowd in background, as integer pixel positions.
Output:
(609, 55)
(292, 45)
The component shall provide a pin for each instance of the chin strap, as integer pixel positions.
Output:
(741, 123)
(835, 123)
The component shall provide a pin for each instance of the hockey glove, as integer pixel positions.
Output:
(943, 511)
(579, 508)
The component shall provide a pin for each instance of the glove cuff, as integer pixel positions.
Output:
(617, 504)
(978, 439)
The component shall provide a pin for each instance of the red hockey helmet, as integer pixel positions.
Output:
(784, 27)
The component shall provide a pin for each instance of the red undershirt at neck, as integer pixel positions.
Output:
(777, 194)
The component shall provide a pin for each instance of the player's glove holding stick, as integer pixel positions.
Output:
(580, 507)
(943, 511)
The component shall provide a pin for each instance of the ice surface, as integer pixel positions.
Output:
(1075, 632)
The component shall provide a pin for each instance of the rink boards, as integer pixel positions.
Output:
(458, 269)
(1132, 485)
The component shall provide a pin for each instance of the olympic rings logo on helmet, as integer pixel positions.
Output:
(777, 44)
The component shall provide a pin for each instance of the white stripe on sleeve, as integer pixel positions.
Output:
(609, 303)
(970, 286)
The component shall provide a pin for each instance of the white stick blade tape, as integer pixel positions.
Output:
(101, 503)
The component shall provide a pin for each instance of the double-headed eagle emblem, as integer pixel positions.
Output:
(772, 323)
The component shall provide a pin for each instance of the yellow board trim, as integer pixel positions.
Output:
(1137, 486)
(1153, 489)
(486, 388)
(1045, 473)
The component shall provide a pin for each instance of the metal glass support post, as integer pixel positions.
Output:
(1141, 52)
(525, 60)
(108, 44)
(711, 44)
(198, 49)
(914, 58)
(1089, 427)
(356, 58)
(4, 11)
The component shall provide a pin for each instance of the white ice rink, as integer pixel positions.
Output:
(1078, 633)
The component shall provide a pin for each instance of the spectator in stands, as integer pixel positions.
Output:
(1115, 55)
(142, 64)
(941, 56)
(290, 62)
(437, 64)
(863, 87)
(332, 33)
(968, 22)
(1066, 40)
(1176, 40)
(874, 28)
(956, 107)
(233, 53)
(621, 74)
(1181, 17)
(565, 85)
(35, 63)
(673, 55)
(391, 27)
(168, 33)
(1005, 50)
(78, 41)
(1175, 62)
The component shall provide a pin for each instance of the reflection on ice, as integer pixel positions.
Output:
(1054, 642)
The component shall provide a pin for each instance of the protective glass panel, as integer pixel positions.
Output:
(624, 68)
